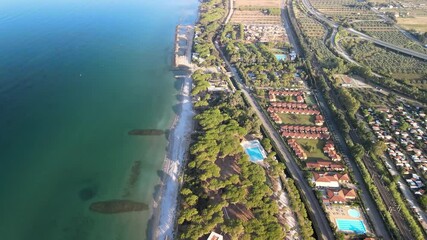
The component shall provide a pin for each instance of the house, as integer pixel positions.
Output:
(299, 152)
(328, 179)
(276, 118)
(329, 149)
(339, 196)
(215, 236)
(300, 99)
(289, 105)
(318, 120)
(326, 165)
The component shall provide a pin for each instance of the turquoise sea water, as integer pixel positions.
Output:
(75, 77)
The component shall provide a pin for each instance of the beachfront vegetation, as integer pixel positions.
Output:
(211, 14)
(207, 192)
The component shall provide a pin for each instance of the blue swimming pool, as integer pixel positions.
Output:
(355, 226)
(354, 213)
(280, 56)
(255, 154)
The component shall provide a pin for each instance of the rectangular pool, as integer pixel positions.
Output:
(254, 150)
(280, 56)
(356, 226)
(255, 154)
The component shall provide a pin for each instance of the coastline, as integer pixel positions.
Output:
(166, 197)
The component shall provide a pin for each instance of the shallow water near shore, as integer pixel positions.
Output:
(75, 78)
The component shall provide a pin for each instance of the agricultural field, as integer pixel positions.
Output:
(344, 9)
(418, 23)
(257, 12)
(384, 61)
(410, 14)
(314, 32)
(255, 17)
(309, 27)
(388, 33)
(256, 3)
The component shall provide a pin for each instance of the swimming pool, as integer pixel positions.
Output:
(254, 150)
(354, 213)
(355, 226)
(280, 56)
(255, 154)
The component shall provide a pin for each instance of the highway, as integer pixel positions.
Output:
(333, 24)
(320, 223)
(373, 213)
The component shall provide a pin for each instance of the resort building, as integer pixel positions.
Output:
(325, 165)
(328, 179)
(318, 120)
(329, 149)
(289, 105)
(339, 196)
(293, 110)
(304, 132)
(297, 149)
(276, 118)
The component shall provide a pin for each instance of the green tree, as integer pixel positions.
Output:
(378, 148)
(423, 201)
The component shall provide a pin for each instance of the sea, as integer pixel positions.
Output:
(75, 77)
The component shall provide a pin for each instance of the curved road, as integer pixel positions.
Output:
(333, 24)
(230, 11)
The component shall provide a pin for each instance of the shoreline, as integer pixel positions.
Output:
(166, 198)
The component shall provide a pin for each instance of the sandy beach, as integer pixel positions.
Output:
(165, 203)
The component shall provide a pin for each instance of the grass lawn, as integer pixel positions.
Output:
(309, 99)
(297, 119)
(317, 148)
(286, 98)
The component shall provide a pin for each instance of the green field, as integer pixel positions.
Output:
(316, 146)
(297, 119)
(309, 99)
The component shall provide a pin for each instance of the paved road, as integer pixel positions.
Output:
(373, 213)
(338, 48)
(323, 229)
(230, 11)
(289, 30)
(333, 24)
